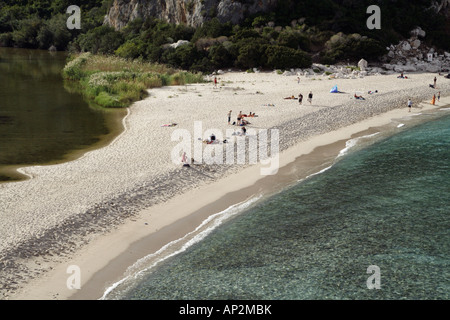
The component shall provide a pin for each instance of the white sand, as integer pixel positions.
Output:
(48, 219)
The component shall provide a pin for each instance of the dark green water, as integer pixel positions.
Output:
(386, 205)
(42, 119)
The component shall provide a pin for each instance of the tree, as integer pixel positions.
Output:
(132, 49)
(102, 39)
(220, 57)
(279, 57)
(251, 53)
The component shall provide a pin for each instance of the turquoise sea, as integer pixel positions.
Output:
(385, 203)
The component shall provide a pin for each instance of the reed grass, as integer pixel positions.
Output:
(114, 82)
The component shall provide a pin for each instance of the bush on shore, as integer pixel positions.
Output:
(114, 82)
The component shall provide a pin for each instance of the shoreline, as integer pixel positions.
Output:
(112, 248)
(117, 126)
(140, 242)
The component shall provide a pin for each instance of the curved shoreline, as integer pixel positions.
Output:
(77, 154)
(263, 188)
(167, 197)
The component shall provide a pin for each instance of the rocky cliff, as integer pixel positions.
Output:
(189, 12)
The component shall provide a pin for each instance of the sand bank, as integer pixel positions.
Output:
(117, 204)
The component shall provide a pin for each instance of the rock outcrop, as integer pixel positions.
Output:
(189, 12)
(413, 55)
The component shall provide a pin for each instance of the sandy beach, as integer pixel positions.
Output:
(118, 204)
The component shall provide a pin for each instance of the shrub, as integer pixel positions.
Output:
(182, 57)
(105, 99)
(251, 53)
(26, 35)
(352, 47)
(279, 57)
(220, 57)
(73, 69)
(132, 49)
(294, 39)
(102, 39)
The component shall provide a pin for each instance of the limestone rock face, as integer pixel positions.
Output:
(189, 12)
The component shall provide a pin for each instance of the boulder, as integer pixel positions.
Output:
(432, 68)
(362, 64)
(418, 32)
(406, 46)
(398, 68)
(416, 44)
(179, 43)
(409, 68)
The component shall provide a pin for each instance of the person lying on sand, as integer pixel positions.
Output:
(290, 98)
(359, 97)
(372, 92)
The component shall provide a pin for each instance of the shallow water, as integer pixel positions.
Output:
(43, 119)
(386, 204)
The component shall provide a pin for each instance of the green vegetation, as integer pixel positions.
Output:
(294, 34)
(114, 82)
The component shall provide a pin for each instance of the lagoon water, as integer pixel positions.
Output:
(386, 204)
(42, 119)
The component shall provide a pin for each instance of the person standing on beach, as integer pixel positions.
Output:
(435, 82)
(239, 118)
(300, 98)
(310, 96)
(439, 96)
(409, 105)
(229, 116)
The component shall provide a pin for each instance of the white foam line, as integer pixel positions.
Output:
(352, 142)
(316, 173)
(217, 220)
(349, 144)
(444, 109)
(400, 125)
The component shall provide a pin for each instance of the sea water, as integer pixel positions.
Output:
(384, 207)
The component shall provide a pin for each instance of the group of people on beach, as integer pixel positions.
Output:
(433, 99)
(240, 121)
(300, 98)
